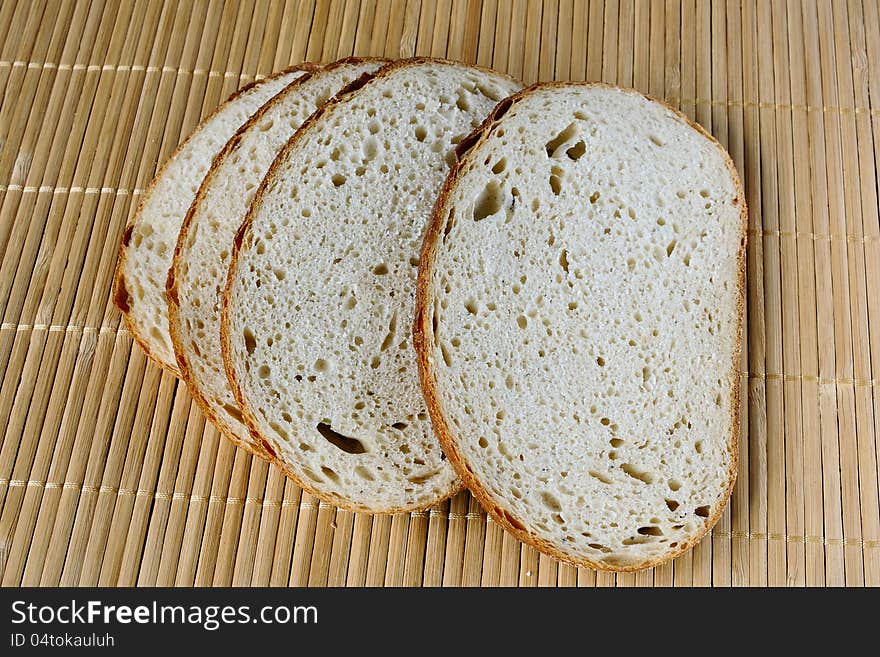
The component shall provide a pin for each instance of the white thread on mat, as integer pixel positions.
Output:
(816, 237)
(54, 328)
(432, 513)
(125, 68)
(50, 189)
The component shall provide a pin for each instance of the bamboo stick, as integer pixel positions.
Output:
(475, 538)
(269, 528)
(756, 324)
(792, 392)
(739, 501)
(838, 517)
(341, 550)
(865, 23)
(455, 540)
(416, 544)
(397, 541)
(858, 469)
(435, 545)
(140, 561)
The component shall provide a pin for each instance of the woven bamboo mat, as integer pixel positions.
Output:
(108, 472)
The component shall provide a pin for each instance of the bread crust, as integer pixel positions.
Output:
(244, 229)
(181, 253)
(120, 295)
(423, 338)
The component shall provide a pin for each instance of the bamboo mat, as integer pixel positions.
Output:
(109, 474)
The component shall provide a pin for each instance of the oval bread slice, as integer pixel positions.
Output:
(147, 247)
(320, 295)
(201, 258)
(578, 319)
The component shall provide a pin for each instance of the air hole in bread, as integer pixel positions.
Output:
(489, 201)
(462, 102)
(380, 269)
(636, 473)
(420, 479)
(672, 504)
(702, 511)
(594, 197)
(637, 540)
(550, 501)
(282, 433)
(338, 179)
(577, 151)
(569, 133)
(363, 473)
(489, 91)
(421, 132)
(345, 443)
(264, 371)
(250, 342)
(605, 479)
(392, 328)
(563, 260)
(673, 485)
(370, 148)
(446, 357)
(311, 475)
(656, 140)
(499, 166)
(600, 547)
(234, 412)
(330, 473)
(650, 531)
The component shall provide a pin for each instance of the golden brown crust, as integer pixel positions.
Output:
(244, 229)
(423, 337)
(180, 254)
(121, 297)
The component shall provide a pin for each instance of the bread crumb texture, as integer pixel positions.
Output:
(150, 251)
(584, 322)
(320, 309)
(201, 268)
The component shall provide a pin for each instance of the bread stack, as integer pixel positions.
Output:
(392, 279)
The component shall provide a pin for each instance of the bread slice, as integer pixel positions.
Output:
(320, 295)
(148, 241)
(578, 323)
(201, 258)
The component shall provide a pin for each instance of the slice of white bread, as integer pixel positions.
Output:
(201, 258)
(320, 295)
(147, 247)
(578, 320)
